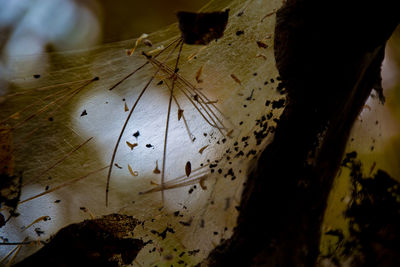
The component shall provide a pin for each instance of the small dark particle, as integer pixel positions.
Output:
(219, 171)
(240, 13)
(215, 233)
(278, 103)
(251, 95)
(190, 190)
(238, 33)
(223, 140)
(168, 257)
(227, 203)
(149, 145)
(193, 252)
(36, 76)
(213, 165)
(239, 154)
(176, 213)
(181, 262)
(202, 223)
(39, 231)
(116, 165)
(123, 99)
(84, 113)
(205, 134)
(245, 138)
(57, 201)
(160, 82)
(163, 234)
(255, 74)
(272, 80)
(240, 123)
(237, 208)
(136, 134)
(251, 152)
(51, 119)
(266, 82)
(188, 223)
(47, 187)
(262, 44)
(267, 103)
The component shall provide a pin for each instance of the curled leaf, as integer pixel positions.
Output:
(202, 183)
(133, 173)
(202, 149)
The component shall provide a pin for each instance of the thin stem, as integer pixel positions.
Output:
(127, 120)
(167, 123)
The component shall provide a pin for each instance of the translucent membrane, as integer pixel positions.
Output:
(65, 124)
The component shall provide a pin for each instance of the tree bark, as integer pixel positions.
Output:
(329, 55)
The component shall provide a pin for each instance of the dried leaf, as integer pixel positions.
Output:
(202, 149)
(236, 79)
(126, 107)
(188, 168)
(131, 146)
(229, 133)
(180, 113)
(144, 35)
(133, 173)
(156, 170)
(198, 74)
(261, 55)
(202, 183)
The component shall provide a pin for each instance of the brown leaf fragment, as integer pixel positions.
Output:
(148, 42)
(188, 168)
(133, 173)
(236, 79)
(261, 55)
(229, 134)
(153, 183)
(198, 74)
(126, 107)
(202, 183)
(202, 149)
(156, 170)
(261, 44)
(131, 146)
(180, 113)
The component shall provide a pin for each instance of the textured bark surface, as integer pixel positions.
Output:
(329, 55)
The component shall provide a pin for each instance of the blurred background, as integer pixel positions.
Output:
(34, 26)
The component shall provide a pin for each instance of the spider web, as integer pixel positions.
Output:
(64, 125)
